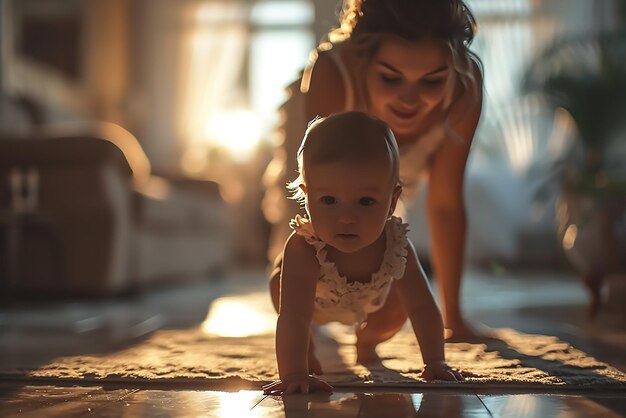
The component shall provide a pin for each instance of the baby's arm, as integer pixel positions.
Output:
(422, 310)
(300, 272)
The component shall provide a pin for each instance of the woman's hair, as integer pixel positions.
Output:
(347, 136)
(367, 22)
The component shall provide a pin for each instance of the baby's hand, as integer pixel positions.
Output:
(440, 370)
(304, 384)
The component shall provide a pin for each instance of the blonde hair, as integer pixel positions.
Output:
(346, 136)
(368, 22)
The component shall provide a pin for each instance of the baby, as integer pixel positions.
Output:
(350, 260)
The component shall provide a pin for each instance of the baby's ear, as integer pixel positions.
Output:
(394, 199)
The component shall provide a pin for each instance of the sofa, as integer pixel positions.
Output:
(81, 213)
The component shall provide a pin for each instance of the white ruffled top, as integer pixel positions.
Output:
(336, 298)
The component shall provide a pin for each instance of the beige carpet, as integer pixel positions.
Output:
(514, 360)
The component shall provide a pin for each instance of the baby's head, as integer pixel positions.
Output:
(347, 137)
(349, 178)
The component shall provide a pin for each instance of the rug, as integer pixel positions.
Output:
(510, 360)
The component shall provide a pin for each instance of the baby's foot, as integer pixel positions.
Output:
(366, 355)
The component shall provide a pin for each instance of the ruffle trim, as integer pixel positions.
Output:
(394, 260)
(302, 226)
(392, 266)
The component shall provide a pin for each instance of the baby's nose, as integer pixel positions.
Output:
(347, 217)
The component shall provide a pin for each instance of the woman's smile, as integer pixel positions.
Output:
(406, 81)
(403, 114)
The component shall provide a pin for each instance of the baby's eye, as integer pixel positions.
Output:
(367, 201)
(328, 200)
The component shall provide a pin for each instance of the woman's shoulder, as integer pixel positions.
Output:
(323, 80)
(467, 104)
(470, 92)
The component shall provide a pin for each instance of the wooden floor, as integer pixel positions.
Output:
(545, 303)
(76, 401)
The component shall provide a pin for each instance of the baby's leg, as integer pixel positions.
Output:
(380, 326)
(315, 366)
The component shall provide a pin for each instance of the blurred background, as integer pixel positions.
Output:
(187, 93)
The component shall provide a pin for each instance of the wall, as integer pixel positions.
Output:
(97, 88)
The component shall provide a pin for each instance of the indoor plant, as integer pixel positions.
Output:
(586, 76)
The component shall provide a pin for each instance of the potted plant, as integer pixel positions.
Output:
(586, 76)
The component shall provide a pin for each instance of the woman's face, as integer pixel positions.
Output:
(405, 81)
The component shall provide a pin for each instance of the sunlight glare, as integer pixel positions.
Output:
(237, 404)
(240, 316)
(237, 131)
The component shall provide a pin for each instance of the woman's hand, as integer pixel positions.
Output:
(441, 371)
(301, 384)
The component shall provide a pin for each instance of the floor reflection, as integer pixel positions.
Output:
(240, 316)
(426, 404)
(96, 401)
(547, 405)
(179, 404)
(238, 404)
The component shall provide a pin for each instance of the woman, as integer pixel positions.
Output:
(406, 62)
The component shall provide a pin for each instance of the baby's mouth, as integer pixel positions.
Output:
(347, 236)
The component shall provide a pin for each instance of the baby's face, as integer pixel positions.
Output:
(349, 202)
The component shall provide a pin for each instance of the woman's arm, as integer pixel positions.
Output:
(445, 203)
